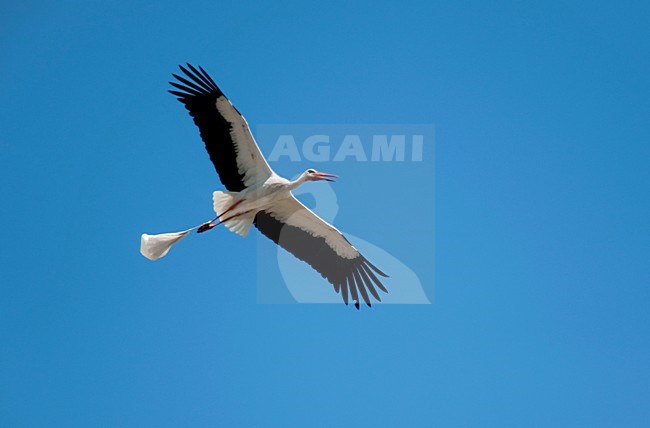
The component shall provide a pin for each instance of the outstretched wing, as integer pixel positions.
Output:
(298, 230)
(226, 135)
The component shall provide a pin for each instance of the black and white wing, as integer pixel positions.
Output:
(226, 135)
(300, 231)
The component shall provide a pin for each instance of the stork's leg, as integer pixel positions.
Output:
(231, 217)
(209, 225)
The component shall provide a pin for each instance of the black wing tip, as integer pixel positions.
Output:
(375, 268)
(360, 282)
(366, 280)
(180, 96)
(365, 267)
(361, 285)
(199, 84)
(357, 304)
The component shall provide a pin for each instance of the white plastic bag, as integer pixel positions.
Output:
(154, 247)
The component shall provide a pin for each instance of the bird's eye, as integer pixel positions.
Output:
(311, 171)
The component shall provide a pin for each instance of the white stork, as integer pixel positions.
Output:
(258, 196)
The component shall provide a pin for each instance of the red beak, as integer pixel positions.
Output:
(325, 176)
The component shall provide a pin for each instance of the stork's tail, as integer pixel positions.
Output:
(222, 202)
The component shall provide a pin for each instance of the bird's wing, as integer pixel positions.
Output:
(298, 230)
(226, 135)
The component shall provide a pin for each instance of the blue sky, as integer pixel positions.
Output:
(540, 299)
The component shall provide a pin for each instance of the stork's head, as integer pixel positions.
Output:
(313, 175)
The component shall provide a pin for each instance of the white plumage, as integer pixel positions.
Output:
(258, 196)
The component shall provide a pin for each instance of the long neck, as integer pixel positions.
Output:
(297, 182)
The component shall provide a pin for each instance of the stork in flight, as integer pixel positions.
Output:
(258, 196)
